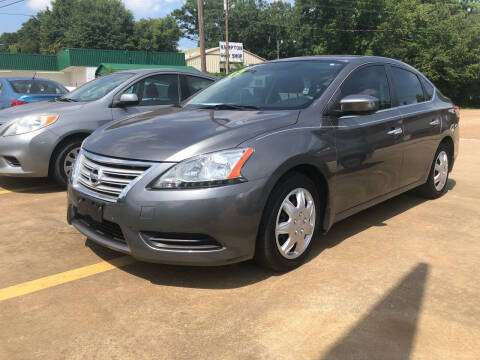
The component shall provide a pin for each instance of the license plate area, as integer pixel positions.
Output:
(90, 208)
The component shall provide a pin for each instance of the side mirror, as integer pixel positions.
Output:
(127, 100)
(359, 104)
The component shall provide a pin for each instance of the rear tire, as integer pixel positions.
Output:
(64, 159)
(437, 182)
(286, 232)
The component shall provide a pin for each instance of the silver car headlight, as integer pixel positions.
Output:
(76, 167)
(29, 123)
(215, 169)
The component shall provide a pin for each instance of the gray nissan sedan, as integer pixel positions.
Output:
(43, 139)
(260, 162)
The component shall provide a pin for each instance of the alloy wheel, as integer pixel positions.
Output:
(70, 161)
(440, 172)
(295, 223)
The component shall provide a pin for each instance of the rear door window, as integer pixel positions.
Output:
(428, 89)
(194, 84)
(370, 80)
(408, 87)
(37, 87)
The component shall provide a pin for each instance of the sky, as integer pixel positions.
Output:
(12, 17)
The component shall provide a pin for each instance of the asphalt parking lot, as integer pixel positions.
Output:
(397, 281)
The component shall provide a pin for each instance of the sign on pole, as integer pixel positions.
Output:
(235, 52)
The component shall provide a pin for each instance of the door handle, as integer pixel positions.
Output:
(435, 122)
(396, 131)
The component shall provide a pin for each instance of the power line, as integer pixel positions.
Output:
(352, 4)
(362, 28)
(14, 14)
(13, 3)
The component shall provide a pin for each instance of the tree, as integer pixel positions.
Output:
(54, 24)
(214, 21)
(336, 26)
(258, 24)
(440, 39)
(156, 35)
(7, 40)
(97, 24)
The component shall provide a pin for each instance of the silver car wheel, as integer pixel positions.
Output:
(70, 161)
(295, 224)
(440, 172)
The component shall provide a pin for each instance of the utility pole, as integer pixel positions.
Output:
(201, 35)
(278, 49)
(227, 52)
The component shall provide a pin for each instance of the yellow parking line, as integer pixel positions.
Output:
(64, 277)
(28, 189)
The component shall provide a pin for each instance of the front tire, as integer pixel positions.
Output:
(64, 160)
(289, 224)
(436, 185)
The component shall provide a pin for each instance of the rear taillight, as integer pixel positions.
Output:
(457, 111)
(17, 102)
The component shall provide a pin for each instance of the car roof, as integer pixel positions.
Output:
(354, 59)
(13, 78)
(166, 70)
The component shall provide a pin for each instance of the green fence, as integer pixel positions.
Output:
(28, 62)
(87, 57)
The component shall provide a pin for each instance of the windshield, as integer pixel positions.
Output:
(37, 87)
(98, 88)
(280, 85)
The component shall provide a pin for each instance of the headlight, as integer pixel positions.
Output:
(29, 123)
(76, 167)
(216, 169)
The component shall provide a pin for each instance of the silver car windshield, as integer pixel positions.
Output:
(98, 88)
(278, 85)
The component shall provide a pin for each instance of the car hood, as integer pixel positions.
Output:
(42, 107)
(177, 134)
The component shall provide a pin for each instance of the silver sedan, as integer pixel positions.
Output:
(43, 139)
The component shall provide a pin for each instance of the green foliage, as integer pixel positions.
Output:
(214, 20)
(258, 24)
(96, 24)
(439, 37)
(156, 34)
(7, 40)
(25, 40)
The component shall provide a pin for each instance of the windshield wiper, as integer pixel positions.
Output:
(66, 99)
(228, 107)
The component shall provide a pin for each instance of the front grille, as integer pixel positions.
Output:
(106, 178)
(185, 242)
(104, 228)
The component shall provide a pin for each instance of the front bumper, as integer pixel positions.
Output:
(32, 151)
(229, 215)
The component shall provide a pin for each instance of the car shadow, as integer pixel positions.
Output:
(374, 216)
(29, 185)
(247, 273)
(388, 330)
